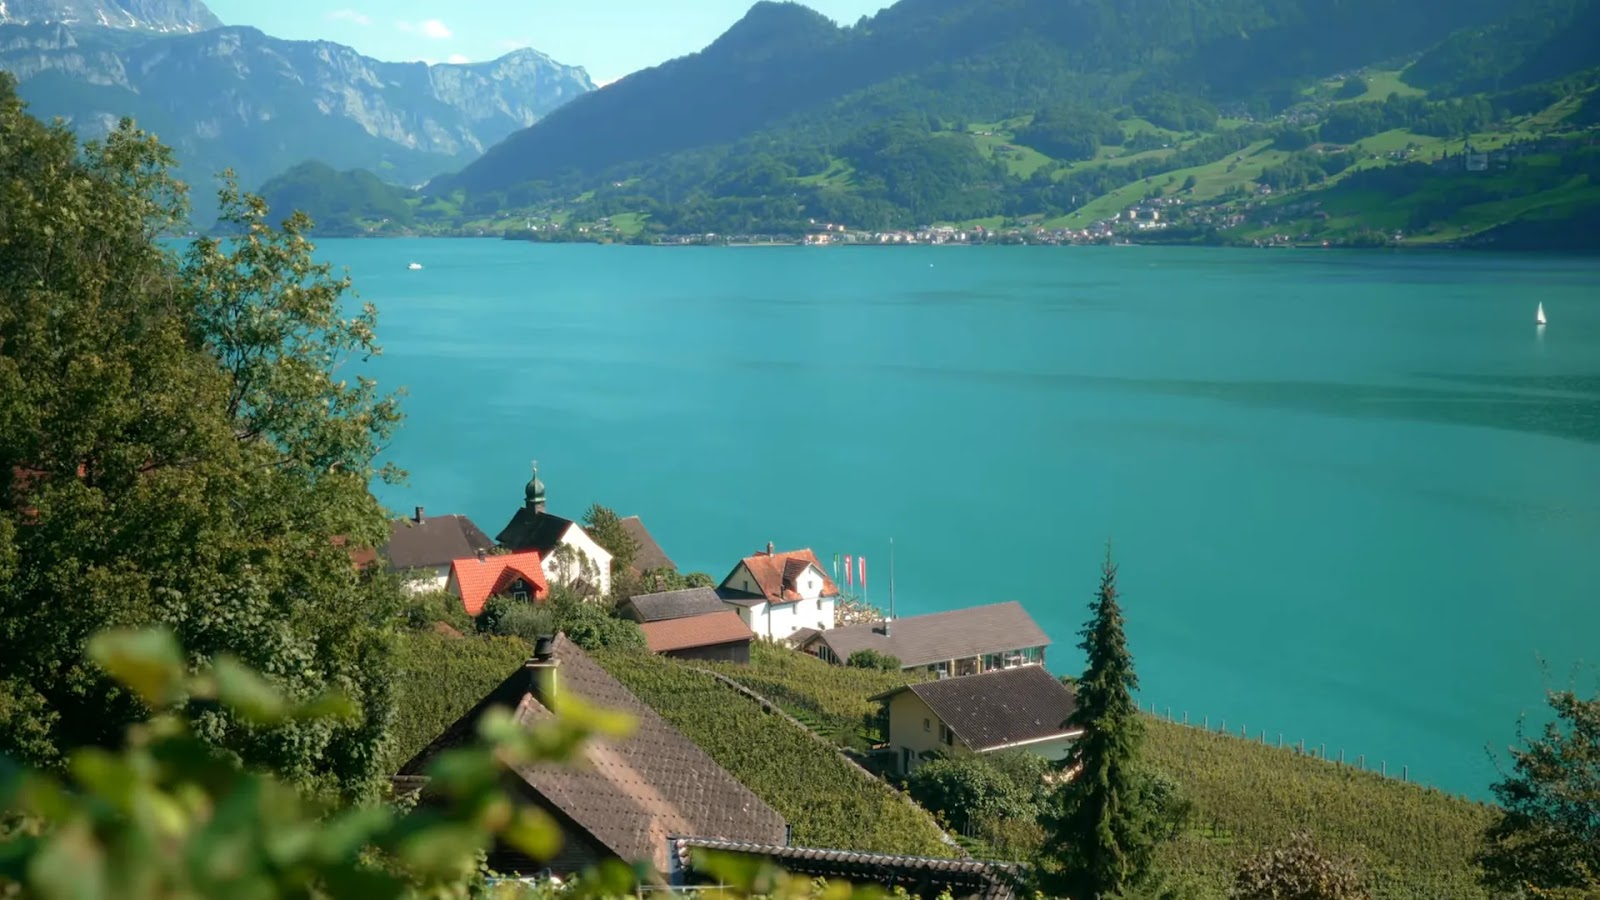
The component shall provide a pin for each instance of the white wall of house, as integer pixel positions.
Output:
(421, 581)
(579, 540)
(753, 616)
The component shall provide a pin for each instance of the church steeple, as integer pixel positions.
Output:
(534, 493)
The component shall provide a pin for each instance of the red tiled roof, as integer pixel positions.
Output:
(696, 631)
(776, 573)
(476, 580)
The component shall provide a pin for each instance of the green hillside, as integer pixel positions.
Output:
(1413, 842)
(1027, 113)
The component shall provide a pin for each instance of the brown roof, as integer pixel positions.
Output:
(533, 529)
(722, 627)
(937, 637)
(919, 875)
(650, 555)
(1000, 708)
(776, 573)
(629, 796)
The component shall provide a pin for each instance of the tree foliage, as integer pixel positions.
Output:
(605, 527)
(1101, 828)
(1548, 833)
(1298, 871)
(872, 659)
(178, 446)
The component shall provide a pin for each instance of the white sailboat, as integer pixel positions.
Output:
(414, 266)
(1538, 317)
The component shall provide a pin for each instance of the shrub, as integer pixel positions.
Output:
(424, 609)
(1298, 871)
(969, 789)
(872, 659)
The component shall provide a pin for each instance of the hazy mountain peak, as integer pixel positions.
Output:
(135, 15)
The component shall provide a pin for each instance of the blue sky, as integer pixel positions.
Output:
(610, 38)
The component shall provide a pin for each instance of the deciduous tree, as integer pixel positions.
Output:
(1548, 832)
(179, 446)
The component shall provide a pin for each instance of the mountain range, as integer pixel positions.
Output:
(235, 97)
(1004, 110)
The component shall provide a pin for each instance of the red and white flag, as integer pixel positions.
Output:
(861, 562)
(848, 582)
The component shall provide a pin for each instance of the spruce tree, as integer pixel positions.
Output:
(1100, 835)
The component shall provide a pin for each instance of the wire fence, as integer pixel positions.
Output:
(1315, 751)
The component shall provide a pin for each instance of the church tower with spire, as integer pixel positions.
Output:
(534, 493)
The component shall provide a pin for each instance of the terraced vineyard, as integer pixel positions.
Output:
(828, 801)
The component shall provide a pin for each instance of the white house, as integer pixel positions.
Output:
(1023, 708)
(421, 548)
(779, 594)
(567, 553)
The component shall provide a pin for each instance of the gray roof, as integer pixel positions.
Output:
(999, 708)
(919, 875)
(676, 604)
(938, 637)
(433, 542)
(650, 555)
(626, 795)
(532, 529)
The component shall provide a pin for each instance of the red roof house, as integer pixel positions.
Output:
(477, 578)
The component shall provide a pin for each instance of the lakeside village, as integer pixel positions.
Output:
(656, 796)
(1159, 217)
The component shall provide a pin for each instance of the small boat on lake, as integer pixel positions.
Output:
(414, 266)
(1538, 317)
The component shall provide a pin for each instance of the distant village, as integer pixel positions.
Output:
(980, 687)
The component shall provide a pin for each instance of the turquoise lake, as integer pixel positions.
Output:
(1355, 497)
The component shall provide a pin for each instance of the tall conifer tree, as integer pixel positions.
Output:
(1100, 835)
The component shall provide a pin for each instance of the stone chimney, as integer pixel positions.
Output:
(483, 555)
(542, 669)
(769, 548)
(418, 517)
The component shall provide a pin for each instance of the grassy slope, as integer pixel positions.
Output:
(1414, 842)
(439, 679)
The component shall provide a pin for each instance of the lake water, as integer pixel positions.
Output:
(1355, 497)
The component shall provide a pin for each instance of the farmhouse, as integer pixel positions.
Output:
(960, 642)
(1022, 708)
(778, 594)
(515, 575)
(422, 547)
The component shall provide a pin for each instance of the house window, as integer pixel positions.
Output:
(519, 595)
(946, 736)
(927, 725)
(826, 654)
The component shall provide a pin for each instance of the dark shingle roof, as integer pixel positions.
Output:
(530, 530)
(958, 634)
(999, 708)
(650, 555)
(433, 542)
(919, 875)
(631, 795)
(677, 604)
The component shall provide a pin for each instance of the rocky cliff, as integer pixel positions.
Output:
(136, 15)
(235, 97)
